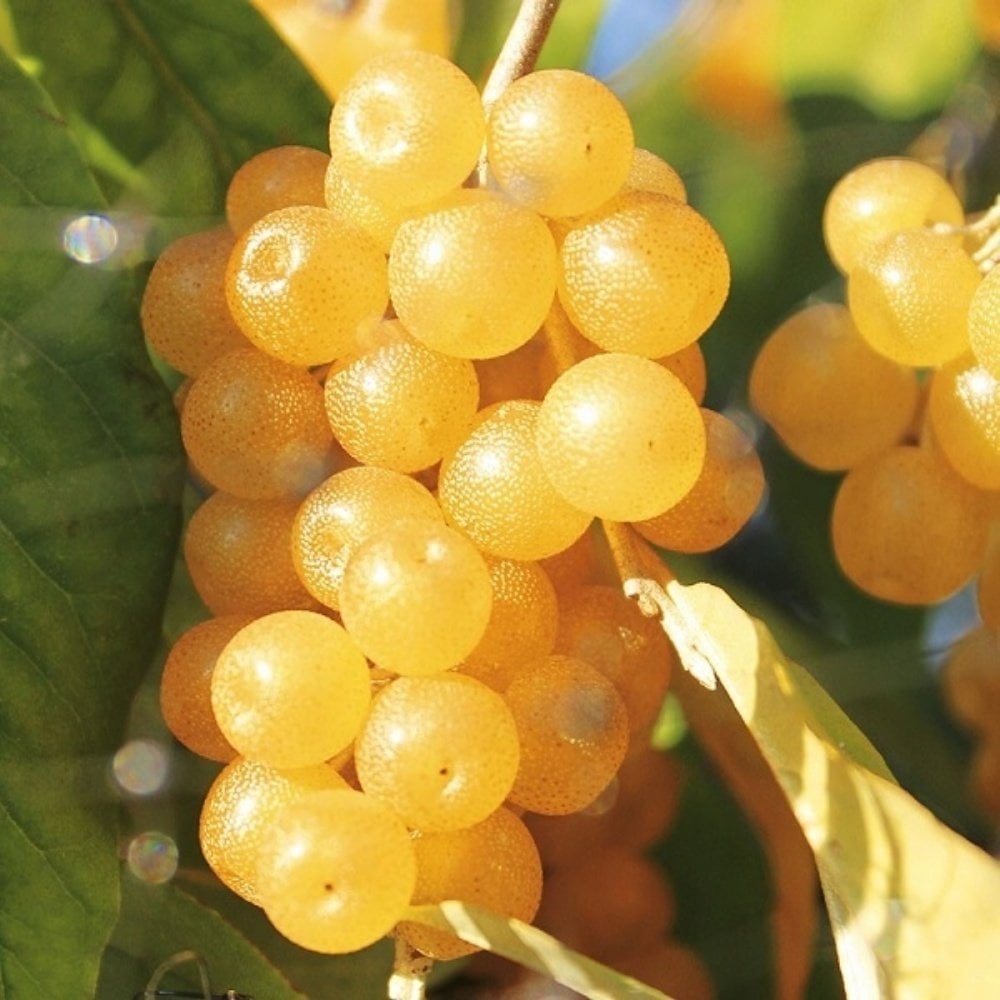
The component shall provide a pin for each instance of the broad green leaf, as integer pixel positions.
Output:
(900, 57)
(532, 948)
(170, 98)
(161, 921)
(90, 476)
(915, 908)
(359, 974)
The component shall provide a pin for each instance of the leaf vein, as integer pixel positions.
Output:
(68, 598)
(7, 172)
(101, 422)
(64, 885)
(202, 117)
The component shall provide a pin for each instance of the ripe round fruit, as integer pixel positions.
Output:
(301, 283)
(442, 751)
(559, 142)
(599, 625)
(240, 810)
(522, 625)
(475, 279)
(407, 128)
(186, 686)
(337, 872)
(882, 197)
(620, 437)
(573, 730)
(290, 689)
(239, 555)
(341, 513)
(831, 398)
(648, 275)
(185, 316)
(495, 488)
(275, 178)
(723, 498)
(964, 411)
(400, 405)
(255, 427)
(906, 528)
(650, 172)
(909, 295)
(493, 864)
(416, 597)
(984, 322)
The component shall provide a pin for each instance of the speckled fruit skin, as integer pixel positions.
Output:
(494, 488)
(442, 751)
(302, 282)
(559, 142)
(908, 529)
(647, 275)
(291, 689)
(620, 437)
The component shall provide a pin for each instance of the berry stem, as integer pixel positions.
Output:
(409, 973)
(518, 55)
(520, 50)
(559, 346)
(986, 229)
(647, 579)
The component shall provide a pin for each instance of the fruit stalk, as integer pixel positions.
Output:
(521, 48)
(409, 973)
(647, 579)
(517, 56)
(985, 229)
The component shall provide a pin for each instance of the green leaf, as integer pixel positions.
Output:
(900, 57)
(914, 906)
(532, 948)
(90, 475)
(170, 98)
(162, 921)
(358, 974)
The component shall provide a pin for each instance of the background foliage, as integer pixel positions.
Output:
(141, 110)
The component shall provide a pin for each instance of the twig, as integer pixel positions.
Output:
(520, 51)
(647, 580)
(985, 228)
(409, 973)
(519, 54)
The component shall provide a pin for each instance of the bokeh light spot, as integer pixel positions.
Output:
(152, 857)
(141, 767)
(90, 239)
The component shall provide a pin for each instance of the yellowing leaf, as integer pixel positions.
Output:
(533, 949)
(915, 908)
